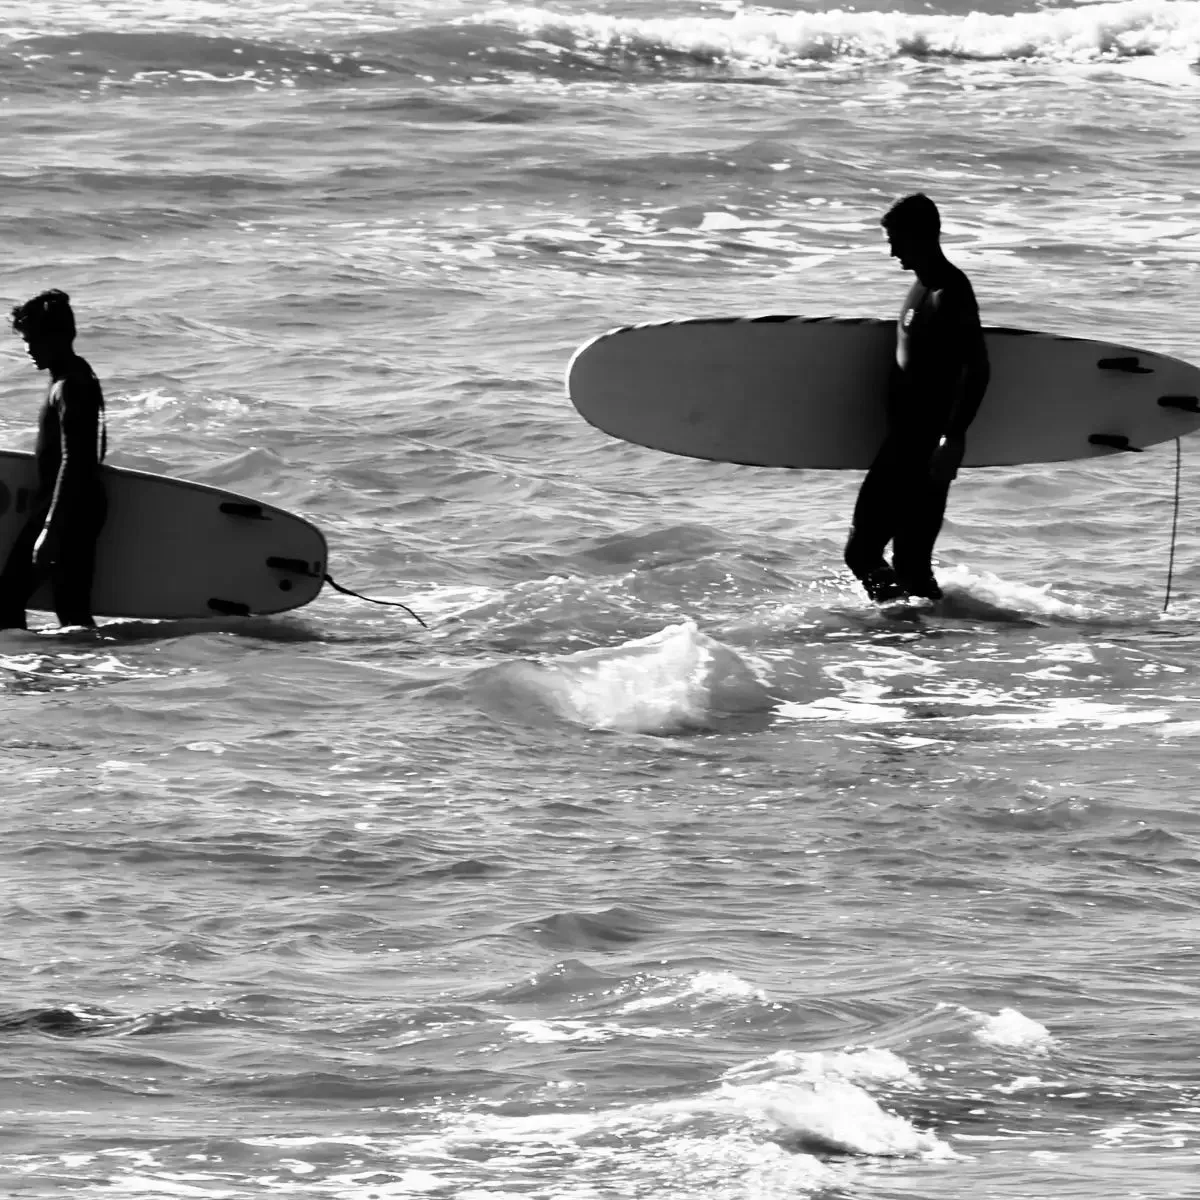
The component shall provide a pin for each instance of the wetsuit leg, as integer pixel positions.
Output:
(912, 551)
(72, 573)
(17, 580)
(874, 526)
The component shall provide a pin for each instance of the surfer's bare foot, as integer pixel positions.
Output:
(925, 589)
(881, 585)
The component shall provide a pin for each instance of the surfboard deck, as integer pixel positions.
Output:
(172, 549)
(789, 391)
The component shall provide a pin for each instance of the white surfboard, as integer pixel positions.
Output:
(174, 549)
(786, 391)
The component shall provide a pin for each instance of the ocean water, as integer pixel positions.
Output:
(661, 865)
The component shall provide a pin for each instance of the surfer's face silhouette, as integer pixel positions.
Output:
(45, 347)
(37, 349)
(905, 248)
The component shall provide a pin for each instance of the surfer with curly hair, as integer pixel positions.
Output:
(67, 509)
(939, 378)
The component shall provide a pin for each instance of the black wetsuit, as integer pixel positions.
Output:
(939, 347)
(71, 424)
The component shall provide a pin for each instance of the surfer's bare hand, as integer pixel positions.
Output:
(44, 551)
(946, 460)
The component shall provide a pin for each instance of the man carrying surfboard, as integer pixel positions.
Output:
(68, 507)
(938, 381)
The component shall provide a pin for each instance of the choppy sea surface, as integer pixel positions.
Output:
(661, 865)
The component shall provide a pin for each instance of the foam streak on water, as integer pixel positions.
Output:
(661, 864)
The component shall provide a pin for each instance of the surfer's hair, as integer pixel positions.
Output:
(47, 313)
(915, 215)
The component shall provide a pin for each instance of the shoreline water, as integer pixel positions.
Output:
(662, 863)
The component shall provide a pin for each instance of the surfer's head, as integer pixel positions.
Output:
(47, 325)
(913, 226)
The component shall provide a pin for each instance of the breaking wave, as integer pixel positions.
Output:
(508, 43)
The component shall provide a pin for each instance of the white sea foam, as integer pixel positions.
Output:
(724, 1143)
(1099, 33)
(1009, 1029)
(989, 597)
(863, 1066)
(821, 1098)
(1059, 712)
(1024, 1083)
(707, 986)
(837, 1116)
(673, 680)
(724, 985)
(546, 1032)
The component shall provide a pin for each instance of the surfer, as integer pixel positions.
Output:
(68, 506)
(938, 380)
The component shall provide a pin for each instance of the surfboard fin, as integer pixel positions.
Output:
(1118, 441)
(229, 608)
(296, 565)
(252, 511)
(1129, 365)
(1183, 403)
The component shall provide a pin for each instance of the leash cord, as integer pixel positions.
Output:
(297, 566)
(337, 587)
(1174, 524)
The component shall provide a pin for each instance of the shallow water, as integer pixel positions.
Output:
(662, 864)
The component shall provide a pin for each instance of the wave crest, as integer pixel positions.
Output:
(775, 42)
(512, 42)
(678, 680)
